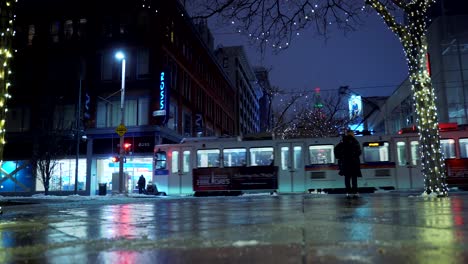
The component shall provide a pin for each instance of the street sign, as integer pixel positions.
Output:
(121, 130)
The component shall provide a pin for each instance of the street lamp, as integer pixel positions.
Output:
(122, 179)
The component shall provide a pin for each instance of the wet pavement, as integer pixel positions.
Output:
(311, 228)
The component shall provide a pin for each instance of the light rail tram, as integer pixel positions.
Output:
(388, 162)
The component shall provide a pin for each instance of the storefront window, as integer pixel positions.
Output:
(63, 176)
(133, 167)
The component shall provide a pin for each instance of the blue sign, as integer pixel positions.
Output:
(162, 96)
(161, 172)
(16, 176)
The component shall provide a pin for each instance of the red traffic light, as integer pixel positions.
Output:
(115, 159)
(127, 146)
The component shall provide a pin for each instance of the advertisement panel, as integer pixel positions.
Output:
(355, 108)
(457, 172)
(235, 178)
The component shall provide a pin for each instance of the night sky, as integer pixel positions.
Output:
(370, 61)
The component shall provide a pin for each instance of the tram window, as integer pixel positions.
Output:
(208, 158)
(284, 158)
(234, 157)
(160, 160)
(186, 161)
(415, 157)
(376, 153)
(463, 147)
(321, 154)
(448, 148)
(297, 151)
(261, 156)
(401, 153)
(175, 161)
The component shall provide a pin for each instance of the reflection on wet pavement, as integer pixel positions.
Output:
(377, 228)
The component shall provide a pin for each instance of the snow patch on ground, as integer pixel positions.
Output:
(318, 192)
(76, 197)
(258, 194)
(245, 243)
(426, 195)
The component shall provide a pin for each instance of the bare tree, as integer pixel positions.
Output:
(284, 112)
(327, 120)
(274, 23)
(52, 142)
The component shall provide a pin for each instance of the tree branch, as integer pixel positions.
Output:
(389, 19)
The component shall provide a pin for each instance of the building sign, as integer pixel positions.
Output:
(199, 127)
(16, 176)
(162, 96)
(162, 107)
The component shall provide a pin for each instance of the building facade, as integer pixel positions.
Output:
(266, 101)
(237, 67)
(69, 84)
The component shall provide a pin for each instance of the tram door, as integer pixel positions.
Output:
(408, 163)
(290, 162)
(180, 171)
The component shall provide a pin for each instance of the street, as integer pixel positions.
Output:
(388, 227)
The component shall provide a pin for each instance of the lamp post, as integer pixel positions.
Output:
(122, 179)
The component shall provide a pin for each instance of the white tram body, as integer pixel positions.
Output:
(300, 165)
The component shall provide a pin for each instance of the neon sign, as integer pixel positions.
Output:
(162, 92)
(162, 97)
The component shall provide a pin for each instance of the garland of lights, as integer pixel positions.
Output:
(7, 34)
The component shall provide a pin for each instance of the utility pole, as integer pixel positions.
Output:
(77, 135)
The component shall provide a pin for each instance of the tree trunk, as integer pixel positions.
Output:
(433, 167)
(46, 186)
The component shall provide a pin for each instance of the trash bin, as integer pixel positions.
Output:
(102, 188)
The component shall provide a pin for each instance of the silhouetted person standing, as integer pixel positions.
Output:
(350, 163)
(141, 184)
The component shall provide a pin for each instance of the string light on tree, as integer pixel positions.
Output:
(7, 19)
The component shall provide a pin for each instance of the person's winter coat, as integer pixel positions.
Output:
(338, 151)
(141, 181)
(350, 162)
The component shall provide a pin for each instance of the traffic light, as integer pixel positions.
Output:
(128, 148)
(115, 159)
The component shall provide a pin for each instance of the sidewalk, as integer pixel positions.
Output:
(387, 227)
